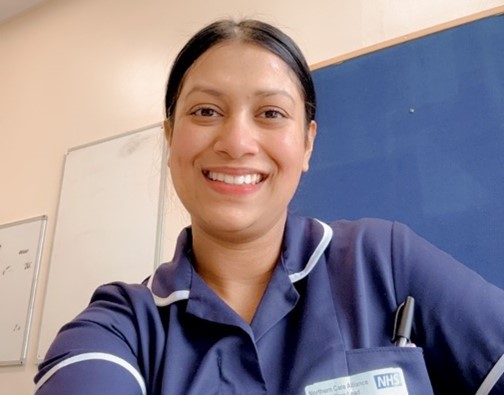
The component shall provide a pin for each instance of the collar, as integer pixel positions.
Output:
(305, 241)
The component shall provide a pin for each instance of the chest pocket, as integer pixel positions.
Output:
(379, 371)
(409, 360)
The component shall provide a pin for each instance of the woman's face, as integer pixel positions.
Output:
(239, 141)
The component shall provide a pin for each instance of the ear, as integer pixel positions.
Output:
(168, 131)
(310, 140)
(168, 135)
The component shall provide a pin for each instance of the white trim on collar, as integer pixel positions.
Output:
(172, 298)
(294, 277)
(324, 242)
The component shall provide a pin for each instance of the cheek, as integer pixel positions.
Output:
(290, 151)
(185, 143)
(179, 156)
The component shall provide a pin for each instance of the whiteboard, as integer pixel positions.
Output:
(20, 251)
(108, 225)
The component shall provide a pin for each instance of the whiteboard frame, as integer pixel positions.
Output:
(33, 288)
(41, 351)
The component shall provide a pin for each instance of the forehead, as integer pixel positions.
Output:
(242, 63)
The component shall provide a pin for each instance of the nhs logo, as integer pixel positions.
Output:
(387, 380)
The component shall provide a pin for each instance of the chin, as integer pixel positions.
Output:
(241, 225)
(230, 225)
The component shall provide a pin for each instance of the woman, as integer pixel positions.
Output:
(258, 301)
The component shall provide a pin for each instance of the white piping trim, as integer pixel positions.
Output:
(324, 242)
(94, 356)
(314, 258)
(492, 377)
(172, 298)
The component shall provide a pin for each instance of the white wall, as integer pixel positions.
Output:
(75, 71)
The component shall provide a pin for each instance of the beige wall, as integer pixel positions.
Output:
(75, 71)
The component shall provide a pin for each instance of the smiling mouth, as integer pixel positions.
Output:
(242, 179)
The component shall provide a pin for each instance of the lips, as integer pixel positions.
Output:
(241, 179)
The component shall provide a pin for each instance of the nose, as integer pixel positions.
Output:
(236, 137)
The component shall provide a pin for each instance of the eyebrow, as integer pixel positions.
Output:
(203, 89)
(275, 92)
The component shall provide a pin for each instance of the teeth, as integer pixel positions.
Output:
(247, 179)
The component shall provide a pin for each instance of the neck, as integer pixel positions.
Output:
(238, 271)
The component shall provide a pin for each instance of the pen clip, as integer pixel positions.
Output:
(396, 321)
(403, 322)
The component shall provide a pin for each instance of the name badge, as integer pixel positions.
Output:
(387, 381)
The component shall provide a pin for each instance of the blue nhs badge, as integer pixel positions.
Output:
(387, 380)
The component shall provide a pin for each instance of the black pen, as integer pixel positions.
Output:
(402, 335)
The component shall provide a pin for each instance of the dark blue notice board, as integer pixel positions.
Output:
(415, 133)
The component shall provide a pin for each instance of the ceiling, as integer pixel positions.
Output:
(11, 8)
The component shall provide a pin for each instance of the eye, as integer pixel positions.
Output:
(272, 114)
(205, 112)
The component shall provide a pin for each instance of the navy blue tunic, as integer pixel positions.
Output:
(323, 326)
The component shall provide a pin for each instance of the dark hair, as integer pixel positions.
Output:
(250, 31)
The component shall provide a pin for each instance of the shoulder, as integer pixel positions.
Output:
(121, 293)
(369, 227)
(371, 235)
(116, 314)
(109, 335)
(345, 229)
(364, 233)
(391, 244)
(375, 233)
